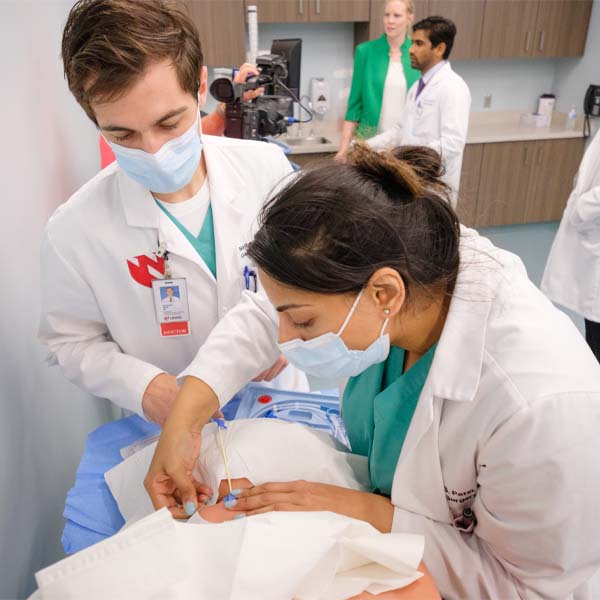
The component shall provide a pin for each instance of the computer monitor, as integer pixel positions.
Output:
(291, 50)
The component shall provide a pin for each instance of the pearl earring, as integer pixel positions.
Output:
(386, 311)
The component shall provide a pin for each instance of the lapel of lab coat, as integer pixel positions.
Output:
(232, 222)
(226, 189)
(454, 376)
(436, 80)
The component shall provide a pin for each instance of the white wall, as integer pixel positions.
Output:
(48, 149)
(513, 84)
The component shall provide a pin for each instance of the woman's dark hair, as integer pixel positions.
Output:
(331, 227)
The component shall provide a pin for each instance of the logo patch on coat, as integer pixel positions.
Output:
(139, 269)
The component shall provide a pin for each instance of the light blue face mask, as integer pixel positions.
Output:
(168, 169)
(328, 357)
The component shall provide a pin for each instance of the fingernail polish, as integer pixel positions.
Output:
(240, 516)
(190, 508)
(230, 502)
(236, 492)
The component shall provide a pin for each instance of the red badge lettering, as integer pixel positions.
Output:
(169, 329)
(140, 270)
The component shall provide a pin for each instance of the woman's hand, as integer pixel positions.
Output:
(306, 496)
(169, 482)
(341, 156)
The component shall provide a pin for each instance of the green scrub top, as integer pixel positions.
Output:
(204, 243)
(377, 410)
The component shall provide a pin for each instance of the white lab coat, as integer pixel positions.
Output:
(572, 274)
(508, 423)
(100, 325)
(438, 118)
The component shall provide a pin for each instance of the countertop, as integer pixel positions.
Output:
(484, 128)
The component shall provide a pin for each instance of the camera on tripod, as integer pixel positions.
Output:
(269, 114)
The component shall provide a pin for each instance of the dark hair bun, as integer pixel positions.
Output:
(397, 177)
(408, 169)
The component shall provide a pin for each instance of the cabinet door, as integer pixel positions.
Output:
(281, 11)
(219, 20)
(508, 28)
(468, 18)
(504, 183)
(555, 165)
(548, 27)
(573, 32)
(339, 10)
(466, 207)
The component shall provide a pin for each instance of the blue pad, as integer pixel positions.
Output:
(90, 509)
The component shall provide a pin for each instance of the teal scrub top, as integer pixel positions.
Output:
(204, 243)
(377, 410)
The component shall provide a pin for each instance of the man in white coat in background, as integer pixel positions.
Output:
(437, 107)
(572, 274)
(175, 210)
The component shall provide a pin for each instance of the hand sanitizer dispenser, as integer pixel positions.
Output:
(319, 95)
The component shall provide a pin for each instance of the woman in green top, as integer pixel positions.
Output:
(382, 76)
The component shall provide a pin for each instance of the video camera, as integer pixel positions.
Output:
(269, 114)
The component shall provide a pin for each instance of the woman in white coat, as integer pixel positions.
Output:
(480, 434)
(572, 274)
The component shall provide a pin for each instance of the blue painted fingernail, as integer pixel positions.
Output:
(240, 516)
(230, 502)
(190, 508)
(236, 492)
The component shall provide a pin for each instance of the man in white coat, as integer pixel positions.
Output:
(177, 208)
(437, 107)
(572, 274)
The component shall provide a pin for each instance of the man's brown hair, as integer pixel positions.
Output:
(107, 45)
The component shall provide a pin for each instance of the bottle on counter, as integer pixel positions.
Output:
(571, 118)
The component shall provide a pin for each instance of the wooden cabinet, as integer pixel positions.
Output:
(217, 21)
(468, 18)
(281, 11)
(504, 183)
(575, 20)
(301, 11)
(338, 10)
(555, 166)
(534, 28)
(517, 182)
(508, 28)
(469, 185)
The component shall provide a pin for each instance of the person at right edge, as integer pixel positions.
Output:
(572, 274)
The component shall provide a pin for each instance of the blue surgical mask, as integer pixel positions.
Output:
(327, 356)
(167, 170)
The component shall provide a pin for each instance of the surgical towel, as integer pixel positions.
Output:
(277, 556)
(261, 450)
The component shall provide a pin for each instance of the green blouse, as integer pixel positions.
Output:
(377, 410)
(371, 62)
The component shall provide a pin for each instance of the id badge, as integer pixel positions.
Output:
(172, 308)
